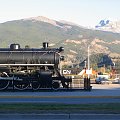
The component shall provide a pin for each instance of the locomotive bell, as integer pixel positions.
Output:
(45, 45)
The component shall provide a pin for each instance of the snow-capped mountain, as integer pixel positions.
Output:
(107, 25)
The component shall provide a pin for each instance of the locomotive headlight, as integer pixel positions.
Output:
(61, 58)
(61, 49)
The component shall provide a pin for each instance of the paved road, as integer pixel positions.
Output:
(99, 94)
(59, 116)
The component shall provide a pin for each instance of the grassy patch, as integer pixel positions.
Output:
(38, 108)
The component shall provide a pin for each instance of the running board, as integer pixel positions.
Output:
(26, 64)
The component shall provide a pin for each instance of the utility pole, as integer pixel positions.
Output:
(88, 60)
(88, 72)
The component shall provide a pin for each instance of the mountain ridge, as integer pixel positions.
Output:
(35, 30)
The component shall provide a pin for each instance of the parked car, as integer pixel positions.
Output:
(100, 80)
(116, 81)
(106, 81)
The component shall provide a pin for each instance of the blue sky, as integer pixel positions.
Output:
(82, 12)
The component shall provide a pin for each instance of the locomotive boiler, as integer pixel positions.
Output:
(25, 68)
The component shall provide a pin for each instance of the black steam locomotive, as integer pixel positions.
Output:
(25, 68)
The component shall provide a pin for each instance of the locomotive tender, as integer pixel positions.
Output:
(25, 68)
